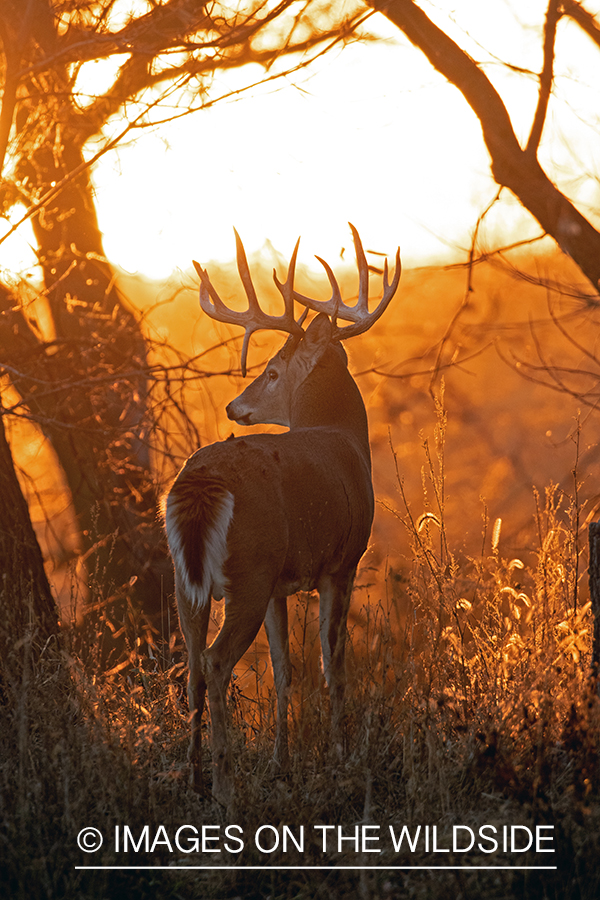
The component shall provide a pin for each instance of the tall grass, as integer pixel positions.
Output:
(468, 703)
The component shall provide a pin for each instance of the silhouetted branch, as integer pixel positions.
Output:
(512, 166)
(583, 18)
(546, 77)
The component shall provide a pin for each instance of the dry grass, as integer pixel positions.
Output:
(468, 697)
(468, 704)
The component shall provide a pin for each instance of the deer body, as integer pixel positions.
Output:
(257, 518)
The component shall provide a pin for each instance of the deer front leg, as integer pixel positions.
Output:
(276, 626)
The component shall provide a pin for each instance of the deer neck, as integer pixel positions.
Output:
(329, 397)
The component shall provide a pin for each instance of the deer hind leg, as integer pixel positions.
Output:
(245, 611)
(276, 626)
(194, 624)
(334, 596)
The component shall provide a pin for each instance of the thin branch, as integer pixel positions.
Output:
(136, 75)
(511, 166)
(165, 26)
(554, 375)
(584, 19)
(569, 337)
(73, 174)
(139, 122)
(466, 297)
(546, 77)
(452, 364)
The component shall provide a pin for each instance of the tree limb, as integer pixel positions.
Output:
(138, 74)
(512, 166)
(169, 26)
(546, 77)
(583, 18)
(12, 39)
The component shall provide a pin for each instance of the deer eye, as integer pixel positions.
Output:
(272, 375)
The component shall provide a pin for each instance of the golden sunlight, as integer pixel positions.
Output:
(356, 139)
(371, 135)
(436, 482)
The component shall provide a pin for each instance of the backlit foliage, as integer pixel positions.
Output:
(469, 700)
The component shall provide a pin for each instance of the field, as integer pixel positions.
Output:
(471, 720)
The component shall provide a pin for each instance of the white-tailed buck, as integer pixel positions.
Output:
(256, 518)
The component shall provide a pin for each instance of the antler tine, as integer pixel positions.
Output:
(214, 307)
(336, 296)
(210, 301)
(253, 318)
(331, 306)
(362, 304)
(244, 270)
(364, 320)
(287, 288)
(358, 315)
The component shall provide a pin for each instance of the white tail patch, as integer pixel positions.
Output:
(210, 544)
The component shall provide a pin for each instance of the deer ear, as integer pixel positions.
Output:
(315, 342)
(318, 334)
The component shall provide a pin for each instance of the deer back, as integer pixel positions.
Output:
(298, 505)
(289, 508)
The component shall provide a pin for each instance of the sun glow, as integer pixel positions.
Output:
(355, 139)
(17, 254)
(368, 134)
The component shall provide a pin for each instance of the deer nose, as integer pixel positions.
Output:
(236, 414)
(231, 413)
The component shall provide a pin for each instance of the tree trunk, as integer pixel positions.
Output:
(28, 616)
(87, 389)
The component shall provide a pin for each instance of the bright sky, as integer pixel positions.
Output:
(354, 141)
(369, 135)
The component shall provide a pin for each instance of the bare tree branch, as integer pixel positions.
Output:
(583, 18)
(137, 74)
(512, 166)
(546, 77)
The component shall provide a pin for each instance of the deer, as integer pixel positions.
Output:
(259, 517)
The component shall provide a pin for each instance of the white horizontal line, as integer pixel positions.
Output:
(352, 868)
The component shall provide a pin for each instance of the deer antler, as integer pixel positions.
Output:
(253, 318)
(359, 314)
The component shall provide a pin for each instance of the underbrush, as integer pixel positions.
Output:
(470, 711)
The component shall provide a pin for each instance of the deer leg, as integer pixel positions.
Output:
(244, 614)
(276, 626)
(334, 596)
(194, 624)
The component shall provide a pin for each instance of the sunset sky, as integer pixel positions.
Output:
(369, 134)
